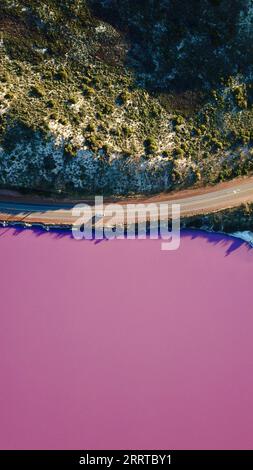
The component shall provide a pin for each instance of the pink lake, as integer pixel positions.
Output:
(118, 345)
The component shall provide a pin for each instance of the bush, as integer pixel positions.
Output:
(5, 77)
(115, 132)
(99, 115)
(88, 91)
(37, 92)
(62, 76)
(107, 108)
(217, 143)
(241, 96)
(196, 131)
(86, 80)
(93, 142)
(178, 120)
(72, 100)
(127, 132)
(70, 150)
(90, 127)
(123, 98)
(150, 145)
(179, 152)
(106, 148)
(63, 120)
(50, 104)
(9, 96)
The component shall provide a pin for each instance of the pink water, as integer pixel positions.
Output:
(121, 345)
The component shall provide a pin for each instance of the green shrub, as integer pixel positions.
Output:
(178, 120)
(86, 80)
(107, 108)
(202, 128)
(70, 150)
(9, 96)
(76, 119)
(5, 77)
(63, 120)
(184, 147)
(123, 98)
(99, 115)
(72, 100)
(150, 145)
(62, 76)
(36, 91)
(115, 132)
(106, 149)
(241, 96)
(196, 131)
(127, 132)
(179, 152)
(93, 142)
(217, 143)
(50, 104)
(90, 127)
(88, 91)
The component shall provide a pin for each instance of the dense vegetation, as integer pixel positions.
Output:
(118, 96)
(182, 44)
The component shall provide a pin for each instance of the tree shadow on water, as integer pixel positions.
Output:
(229, 243)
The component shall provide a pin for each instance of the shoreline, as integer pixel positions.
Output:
(245, 236)
(226, 208)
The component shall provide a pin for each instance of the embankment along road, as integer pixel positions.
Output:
(35, 211)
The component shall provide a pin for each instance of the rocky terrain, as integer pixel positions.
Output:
(117, 97)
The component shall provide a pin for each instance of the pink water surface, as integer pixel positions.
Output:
(121, 345)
